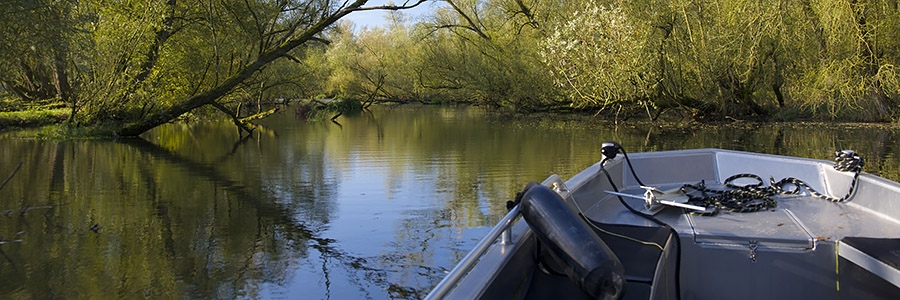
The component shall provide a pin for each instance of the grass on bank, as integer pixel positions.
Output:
(44, 119)
(33, 117)
(15, 113)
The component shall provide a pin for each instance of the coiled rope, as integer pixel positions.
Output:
(757, 196)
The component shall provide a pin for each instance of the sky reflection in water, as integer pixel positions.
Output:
(378, 208)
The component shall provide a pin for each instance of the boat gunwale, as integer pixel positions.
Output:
(589, 174)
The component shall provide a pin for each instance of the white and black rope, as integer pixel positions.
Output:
(757, 196)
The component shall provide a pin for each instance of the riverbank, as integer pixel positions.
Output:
(15, 113)
(21, 116)
(32, 118)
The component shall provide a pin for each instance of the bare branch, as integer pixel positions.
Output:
(390, 7)
(321, 40)
(472, 26)
(23, 210)
(11, 175)
(292, 58)
(243, 72)
(234, 117)
(260, 115)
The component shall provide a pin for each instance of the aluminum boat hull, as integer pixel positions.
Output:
(806, 247)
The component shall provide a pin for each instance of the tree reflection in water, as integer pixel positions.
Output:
(381, 207)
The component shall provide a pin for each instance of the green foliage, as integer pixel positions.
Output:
(36, 40)
(15, 112)
(488, 52)
(443, 58)
(599, 56)
(732, 57)
(136, 62)
(375, 63)
(33, 117)
(719, 58)
(857, 71)
(147, 62)
(319, 111)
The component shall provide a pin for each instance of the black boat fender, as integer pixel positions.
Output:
(587, 260)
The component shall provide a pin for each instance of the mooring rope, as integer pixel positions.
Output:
(757, 196)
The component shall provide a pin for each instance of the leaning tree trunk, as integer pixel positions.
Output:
(210, 96)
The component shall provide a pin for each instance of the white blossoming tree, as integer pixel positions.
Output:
(599, 56)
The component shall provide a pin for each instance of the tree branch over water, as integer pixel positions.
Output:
(265, 57)
(157, 54)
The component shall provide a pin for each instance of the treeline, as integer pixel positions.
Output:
(826, 59)
(129, 66)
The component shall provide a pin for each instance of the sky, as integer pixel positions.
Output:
(374, 18)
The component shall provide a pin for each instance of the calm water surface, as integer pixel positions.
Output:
(378, 207)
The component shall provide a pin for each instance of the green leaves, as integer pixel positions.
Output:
(598, 55)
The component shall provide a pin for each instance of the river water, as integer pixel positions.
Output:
(380, 206)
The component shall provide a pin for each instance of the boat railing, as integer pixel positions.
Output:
(503, 230)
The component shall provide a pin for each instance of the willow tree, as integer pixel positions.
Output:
(33, 63)
(380, 63)
(858, 50)
(143, 63)
(663, 54)
(731, 57)
(599, 55)
(487, 51)
(277, 29)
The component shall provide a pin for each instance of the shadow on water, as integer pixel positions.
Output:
(283, 217)
(211, 236)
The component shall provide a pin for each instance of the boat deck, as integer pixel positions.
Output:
(819, 219)
(805, 247)
(793, 245)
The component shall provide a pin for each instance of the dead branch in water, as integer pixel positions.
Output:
(260, 115)
(16, 239)
(23, 210)
(11, 175)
